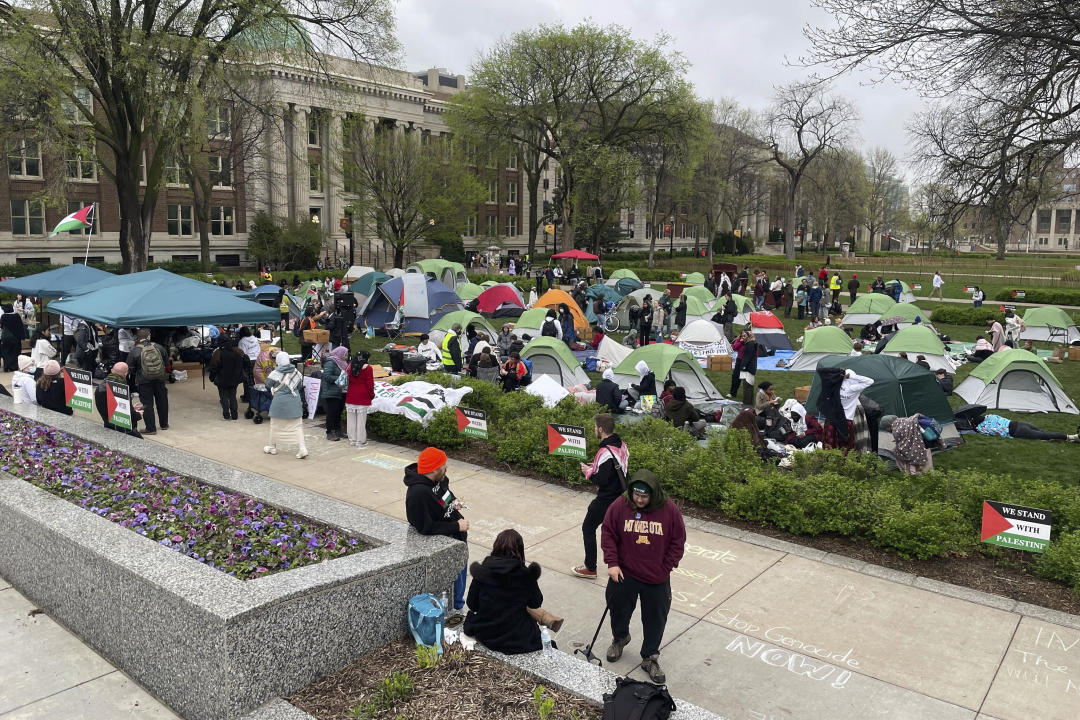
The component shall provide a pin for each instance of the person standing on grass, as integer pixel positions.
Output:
(643, 537)
(745, 367)
(608, 472)
(433, 509)
(853, 288)
(813, 298)
(938, 282)
(996, 333)
(358, 397)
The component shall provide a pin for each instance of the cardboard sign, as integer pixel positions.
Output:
(311, 395)
(79, 389)
(566, 440)
(1015, 526)
(118, 403)
(472, 423)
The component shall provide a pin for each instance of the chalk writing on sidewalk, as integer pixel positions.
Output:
(783, 636)
(793, 662)
(386, 462)
(1038, 658)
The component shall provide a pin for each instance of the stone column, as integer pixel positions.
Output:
(301, 189)
(277, 175)
(399, 127)
(334, 183)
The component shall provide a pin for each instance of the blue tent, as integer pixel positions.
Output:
(626, 285)
(609, 294)
(421, 300)
(263, 292)
(158, 298)
(55, 283)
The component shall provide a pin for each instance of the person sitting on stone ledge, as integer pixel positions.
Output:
(505, 600)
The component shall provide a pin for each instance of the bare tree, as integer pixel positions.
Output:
(804, 122)
(835, 194)
(881, 202)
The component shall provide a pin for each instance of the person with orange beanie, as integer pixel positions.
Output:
(432, 508)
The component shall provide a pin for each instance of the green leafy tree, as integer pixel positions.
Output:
(291, 246)
(408, 189)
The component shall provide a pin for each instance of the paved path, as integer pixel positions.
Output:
(759, 628)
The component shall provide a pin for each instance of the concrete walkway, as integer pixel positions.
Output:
(759, 628)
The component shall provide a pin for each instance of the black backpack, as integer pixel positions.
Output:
(637, 700)
(548, 330)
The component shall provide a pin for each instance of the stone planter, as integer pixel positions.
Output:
(208, 645)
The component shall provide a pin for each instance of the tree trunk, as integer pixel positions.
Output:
(1004, 225)
(134, 236)
(399, 256)
(789, 220)
(709, 242)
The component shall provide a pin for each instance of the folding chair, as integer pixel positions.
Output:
(393, 329)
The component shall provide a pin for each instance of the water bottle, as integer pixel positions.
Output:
(444, 600)
(545, 641)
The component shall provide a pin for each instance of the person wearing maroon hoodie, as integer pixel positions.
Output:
(643, 538)
(358, 397)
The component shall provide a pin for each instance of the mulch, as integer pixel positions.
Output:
(1010, 574)
(462, 685)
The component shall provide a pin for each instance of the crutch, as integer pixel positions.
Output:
(588, 651)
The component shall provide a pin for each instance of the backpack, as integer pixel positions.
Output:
(426, 616)
(549, 329)
(151, 363)
(637, 700)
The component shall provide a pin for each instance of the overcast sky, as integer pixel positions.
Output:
(735, 48)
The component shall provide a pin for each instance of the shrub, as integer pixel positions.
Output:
(922, 530)
(1047, 296)
(954, 314)
(1061, 560)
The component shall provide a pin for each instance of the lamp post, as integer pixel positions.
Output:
(671, 244)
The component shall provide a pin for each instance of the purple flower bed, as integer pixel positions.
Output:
(228, 531)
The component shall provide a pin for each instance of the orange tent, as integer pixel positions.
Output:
(553, 298)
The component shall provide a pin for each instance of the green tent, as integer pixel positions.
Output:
(551, 356)
(1015, 380)
(868, 308)
(694, 308)
(466, 318)
(488, 284)
(915, 340)
(1049, 324)
(366, 285)
(449, 273)
(468, 291)
(530, 321)
(699, 292)
(819, 343)
(900, 387)
(908, 311)
(624, 273)
(694, 278)
(668, 361)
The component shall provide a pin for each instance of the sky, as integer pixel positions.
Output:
(736, 49)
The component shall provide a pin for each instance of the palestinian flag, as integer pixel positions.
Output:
(75, 221)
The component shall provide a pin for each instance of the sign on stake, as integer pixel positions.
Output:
(472, 423)
(1015, 526)
(566, 440)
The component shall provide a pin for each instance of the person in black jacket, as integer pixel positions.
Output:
(608, 473)
(608, 393)
(646, 384)
(50, 389)
(432, 509)
(680, 313)
(505, 599)
(118, 373)
(227, 366)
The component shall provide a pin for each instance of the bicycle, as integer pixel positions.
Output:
(610, 318)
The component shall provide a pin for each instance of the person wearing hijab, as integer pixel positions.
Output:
(227, 372)
(286, 385)
(50, 389)
(22, 382)
(358, 397)
(608, 393)
(646, 384)
(910, 453)
(331, 394)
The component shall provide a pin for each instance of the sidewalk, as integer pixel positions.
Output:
(995, 303)
(759, 628)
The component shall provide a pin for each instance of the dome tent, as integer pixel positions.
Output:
(422, 300)
(466, 318)
(1049, 324)
(743, 304)
(624, 273)
(499, 299)
(450, 274)
(599, 291)
(633, 299)
(818, 344)
(550, 356)
(1015, 380)
(906, 295)
(868, 308)
(365, 286)
(468, 291)
(553, 298)
(916, 340)
(627, 285)
(702, 338)
(668, 361)
(611, 352)
(694, 278)
(909, 312)
(355, 272)
(695, 309)
(769, 331)
(529, 323)
(701, 293)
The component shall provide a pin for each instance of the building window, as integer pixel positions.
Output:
(490, 159)
(493, 191)
(511, 226)
(492, 225)
(172, 172)
(313, 129)
(1043, 222)
(470, 226)
(1064, 221)
(221, 220)
(27, 217)
(179, 220)
(545, 183)
(72, 109)
(1063, 242)
(24, 159)
(512, 162)
(511, 192)
(221, 171)
(142, 168)
(315, 176)
(1044, 241)
(76, 206)
(217, 120)
(80, 162)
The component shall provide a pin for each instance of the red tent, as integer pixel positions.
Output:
(495, 297)
(574, 255)
(765, 319)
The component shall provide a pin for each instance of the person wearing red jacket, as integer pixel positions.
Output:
(358, 397)
(643, 538)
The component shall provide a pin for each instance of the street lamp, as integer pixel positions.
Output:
(671, 245)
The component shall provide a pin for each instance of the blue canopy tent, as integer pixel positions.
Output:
(422, 302)
(158, 298)
(55, 283)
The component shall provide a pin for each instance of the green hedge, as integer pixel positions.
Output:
(1046, 296)
(926, 516)
(956, 314)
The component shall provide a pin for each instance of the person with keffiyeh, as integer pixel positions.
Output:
(333, 395)
(608, 472)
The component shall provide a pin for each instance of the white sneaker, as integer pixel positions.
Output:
(302, 454)
(269, 449)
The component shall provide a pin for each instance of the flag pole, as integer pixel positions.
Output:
(93, 213)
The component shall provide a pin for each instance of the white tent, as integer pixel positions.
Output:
(550, 357)
(1015, 380)
(702, 338)
(612, 353)
(356, 272)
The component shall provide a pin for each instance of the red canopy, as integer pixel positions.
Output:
(574, 255)
(491, 299)
(765, 319)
